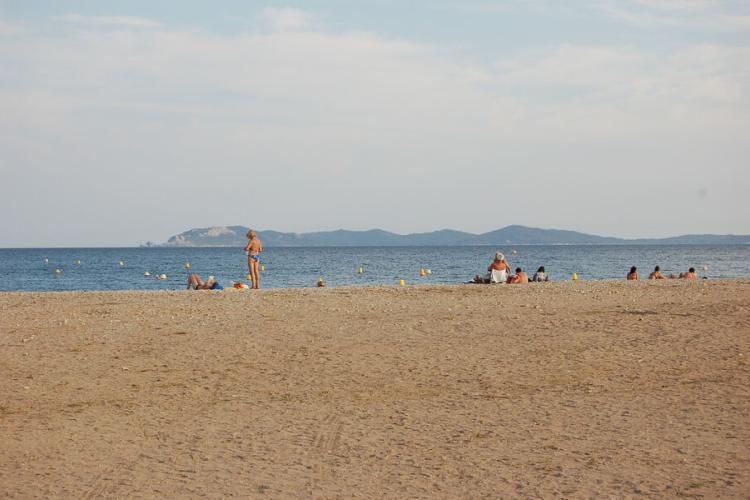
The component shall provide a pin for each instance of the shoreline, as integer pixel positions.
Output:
(483, 245)
(418, 286)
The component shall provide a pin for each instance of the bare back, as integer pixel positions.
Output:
(254, 246)
(498, 265)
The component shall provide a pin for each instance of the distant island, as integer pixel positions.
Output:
(233, 236)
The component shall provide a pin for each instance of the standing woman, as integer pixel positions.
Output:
(253, 249)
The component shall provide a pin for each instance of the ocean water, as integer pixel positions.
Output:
(100, 269)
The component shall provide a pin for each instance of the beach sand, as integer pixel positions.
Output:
(553, 389)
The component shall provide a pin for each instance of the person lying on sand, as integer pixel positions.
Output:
(498, 264)
(656, 275)
(195, 283)
(633, 274)
(519, 277)
(540, 275)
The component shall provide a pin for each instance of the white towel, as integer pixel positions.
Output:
(498, 276)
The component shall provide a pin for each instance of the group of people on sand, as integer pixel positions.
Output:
(499, 272)
(253, 250)
(657, 275)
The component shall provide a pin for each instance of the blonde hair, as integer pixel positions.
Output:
(250, 233)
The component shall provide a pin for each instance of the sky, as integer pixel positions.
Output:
(123, 122)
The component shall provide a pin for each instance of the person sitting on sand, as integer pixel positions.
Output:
(540, 275)
(519, 277)
(196, 283)
(500, 266)
(656, 275)
(633, 274)
(690, 275)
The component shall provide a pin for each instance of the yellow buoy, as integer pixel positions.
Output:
(249, 277)
(360, 270)
(263, 267)
(575, 277)
(162, 276)
(58, 271)
(147, 274)
(122, 264)
(421, 273)
(514, 252)
(78, 262)
(401, 282)
(187, 265)
(321, 283)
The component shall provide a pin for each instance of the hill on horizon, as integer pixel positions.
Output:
(233, 236)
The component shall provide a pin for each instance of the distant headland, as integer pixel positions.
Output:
(232, 236)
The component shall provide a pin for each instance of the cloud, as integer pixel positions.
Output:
(679, 5)
(572, 65)
(292, 73)
(709, 15)
(10, 29)
(291, 82)
(110, 21)
(287, 18)
(694, 75)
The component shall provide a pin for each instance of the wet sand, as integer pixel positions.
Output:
(554, 389)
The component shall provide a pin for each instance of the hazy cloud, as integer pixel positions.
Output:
(287, 18)
(9, 29)
(712, 15)
(702, 72)
(110, 21)
(679, 5)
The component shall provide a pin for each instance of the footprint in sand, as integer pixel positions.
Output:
(329, 434)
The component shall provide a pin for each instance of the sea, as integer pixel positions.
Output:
(65, 269)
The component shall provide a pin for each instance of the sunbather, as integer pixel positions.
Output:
(690, 275)
(196, 283)
(519, 277)
(497, 271)
(540, 275)
(633, 274)
(656, 275)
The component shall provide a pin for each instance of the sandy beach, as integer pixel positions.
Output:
(540, 390)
